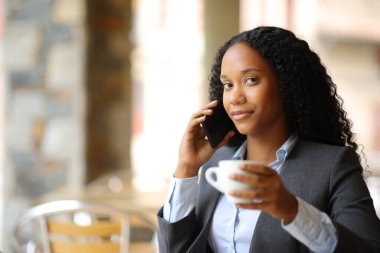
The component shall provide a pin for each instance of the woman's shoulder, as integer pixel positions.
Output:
(322, 162)
(321, 146)
(318, 150)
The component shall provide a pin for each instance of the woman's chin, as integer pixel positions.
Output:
(252, 131)
(243, 130)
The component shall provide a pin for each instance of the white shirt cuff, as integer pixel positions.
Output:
(181, 198)
(313, 228)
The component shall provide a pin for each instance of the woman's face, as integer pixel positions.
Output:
(251, 95)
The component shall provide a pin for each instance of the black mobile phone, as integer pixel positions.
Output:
(217, 125)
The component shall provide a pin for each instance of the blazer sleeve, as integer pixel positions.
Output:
(351, 207)
(178, 236)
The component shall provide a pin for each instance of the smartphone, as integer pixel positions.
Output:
(217, 125)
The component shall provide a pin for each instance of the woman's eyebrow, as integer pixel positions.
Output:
(245, 71)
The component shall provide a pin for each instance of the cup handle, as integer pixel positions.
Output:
(209, 173)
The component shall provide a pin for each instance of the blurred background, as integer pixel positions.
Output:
(98, 93)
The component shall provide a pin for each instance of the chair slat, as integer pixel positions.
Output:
(74, 247)
(69, 247)
(101, 228)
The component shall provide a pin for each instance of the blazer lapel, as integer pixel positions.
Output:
(207, 198)
(269, 236)
(207, 195)
(207, 204)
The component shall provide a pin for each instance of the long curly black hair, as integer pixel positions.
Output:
(312, 106)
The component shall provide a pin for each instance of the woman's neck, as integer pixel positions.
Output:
(262, 148)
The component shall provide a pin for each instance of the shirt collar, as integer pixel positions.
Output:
(281, 154)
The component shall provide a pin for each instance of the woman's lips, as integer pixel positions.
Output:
(240, 115)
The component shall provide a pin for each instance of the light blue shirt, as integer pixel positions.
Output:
(232, 228)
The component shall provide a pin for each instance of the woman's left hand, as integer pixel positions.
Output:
(269, 193)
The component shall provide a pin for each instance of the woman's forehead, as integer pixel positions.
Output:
(241, 56)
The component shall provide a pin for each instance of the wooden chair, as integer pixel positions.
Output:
(70, 226)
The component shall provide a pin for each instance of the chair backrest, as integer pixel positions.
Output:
(70, 226)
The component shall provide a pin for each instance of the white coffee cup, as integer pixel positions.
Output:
(218, 177)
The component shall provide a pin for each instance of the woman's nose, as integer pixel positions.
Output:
(237, 96)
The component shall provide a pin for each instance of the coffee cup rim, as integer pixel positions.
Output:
(240, 162)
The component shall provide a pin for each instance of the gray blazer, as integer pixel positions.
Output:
(328, 177)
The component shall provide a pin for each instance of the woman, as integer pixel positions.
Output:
(312, 197)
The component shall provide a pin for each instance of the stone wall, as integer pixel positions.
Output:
(45, 102)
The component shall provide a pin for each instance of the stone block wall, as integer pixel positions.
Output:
(45, 103)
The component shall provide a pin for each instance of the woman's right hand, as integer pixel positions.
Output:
(194, 149)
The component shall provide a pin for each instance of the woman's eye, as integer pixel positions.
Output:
(251, 80)
(227, 86)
